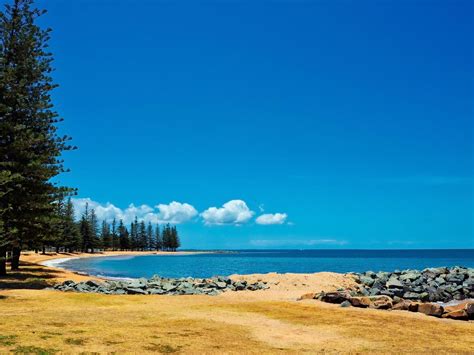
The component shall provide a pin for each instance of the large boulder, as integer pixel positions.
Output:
(383, 302)
(138, 283)
(168, 287)
(431, 309)
(240, 285)
(434, 272)
(333, 297)
(411, 296)
(469, 308)
(94, 284)
(402, 305)
(366, 280)
(377, 302)
(413, 306)
(136, 291)
(455, 278)
(393, 282)
(459, 314)
(410, 276)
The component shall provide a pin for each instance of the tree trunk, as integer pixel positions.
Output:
(15, 264)
(3, 261)
(44, 250)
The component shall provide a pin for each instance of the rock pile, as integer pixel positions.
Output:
(463, 310)
(161, 286)
(410, 290)
(433, 285)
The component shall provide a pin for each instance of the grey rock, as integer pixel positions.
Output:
(410, 276)
(386, 293)
(82, 287)
(136, 291)
(240, 286)
(346, 304)
(411, 296)
(370, 274)
(168, 287)
(455, 278)
(374, 291)
(366, 280)
(136, 283)
(434, 272)
(394, 283)
(92, 283)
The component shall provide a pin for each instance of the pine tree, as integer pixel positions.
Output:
(85, 230)
(71, 238)
(123, 236)
(142, 236)
(30, 147)
(151, 243)
(134, 244)
(95, 240)
(114, 236)
(175, 238)
(158, 238)
(167, 237)
(105, 236)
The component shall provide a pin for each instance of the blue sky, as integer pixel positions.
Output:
(353, 120)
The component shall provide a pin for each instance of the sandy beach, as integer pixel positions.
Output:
(53, 261)
(282, 286)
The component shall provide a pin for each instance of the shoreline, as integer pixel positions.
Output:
(52, 261)
(56, 260)
(284, 286)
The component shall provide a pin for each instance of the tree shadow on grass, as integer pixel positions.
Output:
(30, 276)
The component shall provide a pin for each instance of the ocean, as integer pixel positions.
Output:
(264, 261)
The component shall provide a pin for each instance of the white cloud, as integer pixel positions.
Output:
(175, 212)
(271, 218)
(233, 212)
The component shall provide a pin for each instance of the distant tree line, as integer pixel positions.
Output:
(87, 236)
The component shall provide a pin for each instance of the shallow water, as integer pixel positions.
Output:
(281, 261)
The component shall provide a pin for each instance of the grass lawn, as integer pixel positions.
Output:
(40, 321)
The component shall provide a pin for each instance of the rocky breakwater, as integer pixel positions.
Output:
(434, 284)
(440, 292)
(161, 286)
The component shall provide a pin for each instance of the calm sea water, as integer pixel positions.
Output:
(253, 261)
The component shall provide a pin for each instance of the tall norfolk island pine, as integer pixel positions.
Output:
(30, 147)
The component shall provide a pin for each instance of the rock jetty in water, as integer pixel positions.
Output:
(440, 292)
(161, 286)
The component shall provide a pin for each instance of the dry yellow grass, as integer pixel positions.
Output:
(70, 322)
(40, 321)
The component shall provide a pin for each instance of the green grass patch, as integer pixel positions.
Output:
(75, 341)
(33, 350)
(163, 348)
(7, 340)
